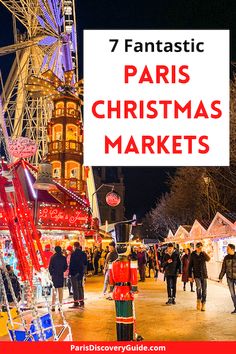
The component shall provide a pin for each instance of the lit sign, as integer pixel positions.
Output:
(113, 199)
(22, 147)
(62, 216)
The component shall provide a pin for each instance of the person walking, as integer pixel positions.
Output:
(15, 285)
(229, 268)
(197, 271)
(142, 260)
(156, 261)
(134, 253)
(172, 269)
(57, 267)
(102, 260)
(111, 257)
(96, 257)
(106, 251)
(185, 263)
(151, 259)
(66, 274)
(89, 261)
(78, 261)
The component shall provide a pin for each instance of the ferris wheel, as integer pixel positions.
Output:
(50, 32)
(50, 28)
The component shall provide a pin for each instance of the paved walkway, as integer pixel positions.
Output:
(155, 320)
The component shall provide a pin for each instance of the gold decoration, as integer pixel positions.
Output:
(49, 85)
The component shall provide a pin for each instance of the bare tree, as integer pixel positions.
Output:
(198, 193)
(195, 193)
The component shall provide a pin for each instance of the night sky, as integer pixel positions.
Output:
(143, 185)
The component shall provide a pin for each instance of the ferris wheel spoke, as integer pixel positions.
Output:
(19, 46)
(17, 8)
(27, 12)
(51, 33)
(50, 20)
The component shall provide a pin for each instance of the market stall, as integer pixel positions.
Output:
(198, 231)
(220, 233)
(215, 237)
(182, 238)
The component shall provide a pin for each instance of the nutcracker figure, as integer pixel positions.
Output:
(123, 283)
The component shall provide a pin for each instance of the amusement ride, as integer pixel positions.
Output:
(43, 183)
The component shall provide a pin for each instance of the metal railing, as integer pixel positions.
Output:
(66, 112)
(58, 146)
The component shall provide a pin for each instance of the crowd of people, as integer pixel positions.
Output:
(192, 267)
(70, 268)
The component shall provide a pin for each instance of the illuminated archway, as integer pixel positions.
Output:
(59, 108)
(56, 169)
(71, 108)
(71, 132)
(73, 170)
(57, 132)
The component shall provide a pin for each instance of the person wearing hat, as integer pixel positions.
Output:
(111, 257)
(123, 284)
(57, 267)
(197, 271)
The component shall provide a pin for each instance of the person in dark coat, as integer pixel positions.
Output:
(134, 254)
(142, 260)
(15, 285)
(197, 270)
(229, 269)
(150, 261)
(111, 257)
(185, 263)
(57, 267)
(96, 257)
(78, 262)
(171, 265)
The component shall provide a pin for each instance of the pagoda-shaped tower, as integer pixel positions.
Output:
(65, 146)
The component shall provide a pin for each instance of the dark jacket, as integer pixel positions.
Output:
(173, 268)
(229, 267)
(57, 267)
(96, 255)
(78, 261)
(15, 284)
(142, 260)
(133, 256)
(197, 265)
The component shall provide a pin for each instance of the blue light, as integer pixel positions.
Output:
(49, 40)
(41, 21)
(47, 16)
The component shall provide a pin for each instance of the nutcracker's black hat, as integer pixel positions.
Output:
(122, 232)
